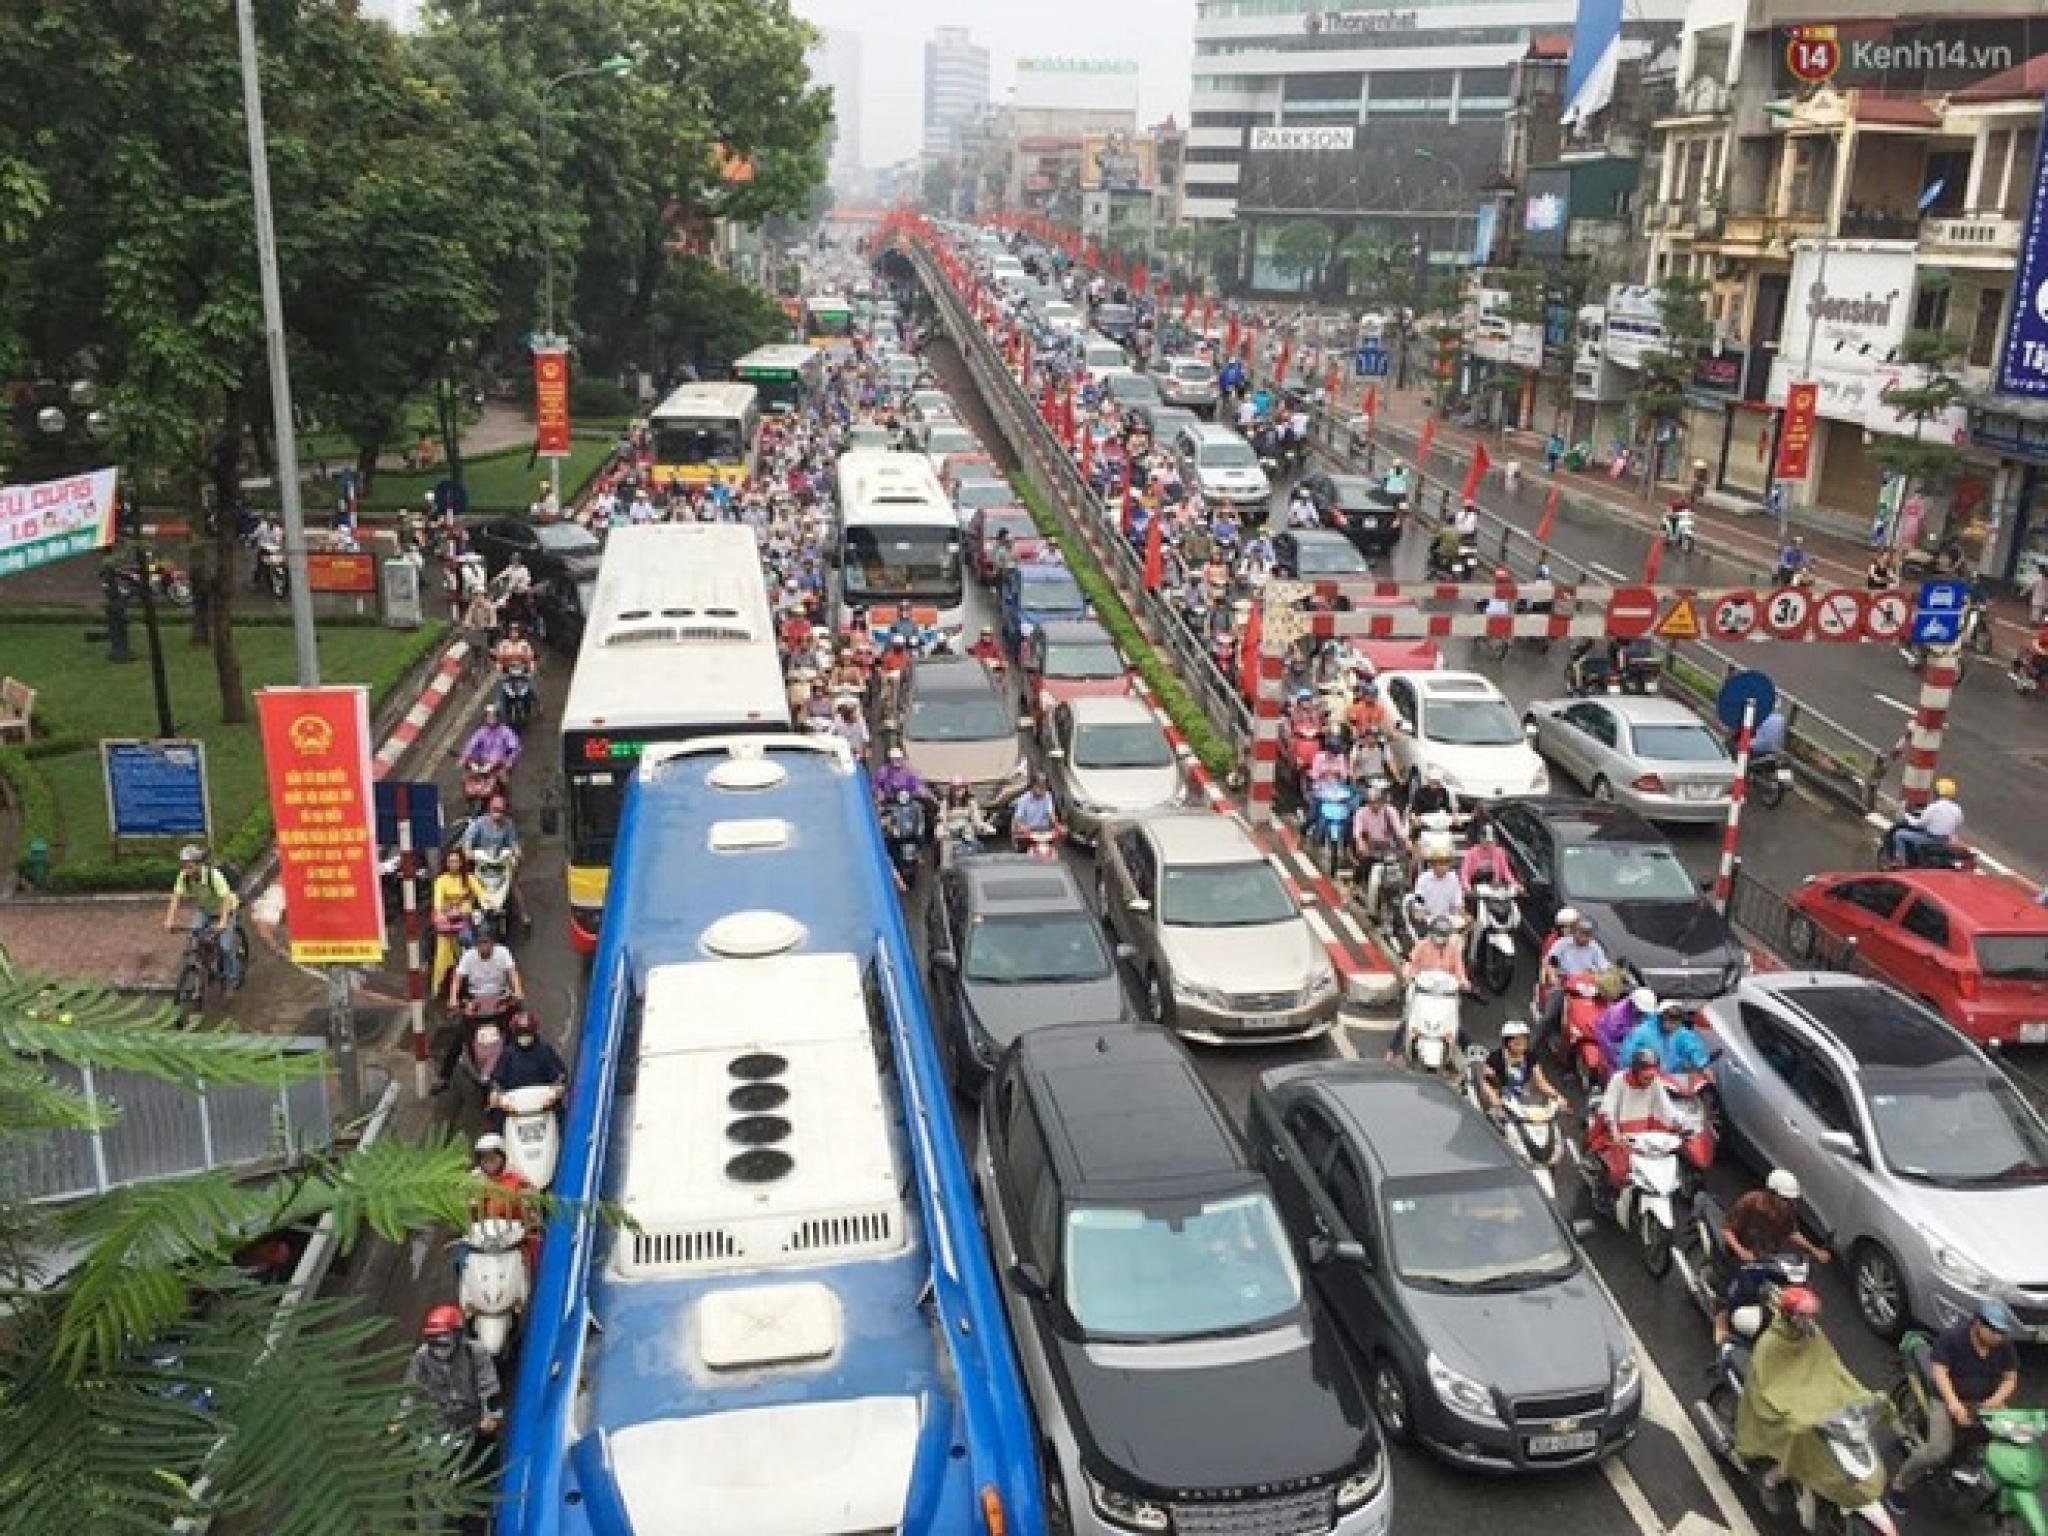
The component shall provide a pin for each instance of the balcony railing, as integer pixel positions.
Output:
(1974, 234)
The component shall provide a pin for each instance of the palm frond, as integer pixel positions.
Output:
(29, 1101)
(128, 1041)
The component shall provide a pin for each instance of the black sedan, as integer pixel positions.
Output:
(1355, 507)
(1614, 867)
(1317, 554)
(1013, 945)
(563, 603)
(550, 550)
(1481, 1329)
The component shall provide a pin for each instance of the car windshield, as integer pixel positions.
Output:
(1678, 744)
(1082, 659)
(947, 438)
(1131, 745)
(566, 539)
(1355, 495)
(1475, 1231)
(958, 716)
(1335, 558)
(1194, 373)
(1957, 1129)
(1044, 947)
(1223, 896)
(1628, 872)
(1228, 455)
(1132, 386)
(2014, 956)
(1471, 722)
(1053, 594)
(984, 493)
(1160, 1272)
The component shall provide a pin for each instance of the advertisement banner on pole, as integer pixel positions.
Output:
(316, 754)
(2023, 368)
(551, 402)
(54, 519)
(1795, 443)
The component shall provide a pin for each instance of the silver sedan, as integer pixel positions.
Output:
(1652, 755)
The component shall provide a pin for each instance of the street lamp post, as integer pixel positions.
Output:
(1781, 492)
(617, 64)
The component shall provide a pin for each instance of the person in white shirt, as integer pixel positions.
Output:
(1439, 891)
(1933, 825)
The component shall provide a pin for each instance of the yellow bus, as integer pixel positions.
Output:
(828, 321)
(679, 642)
(788, 377)
(705, 432)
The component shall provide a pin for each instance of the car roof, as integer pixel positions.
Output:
(1047, 571)
(1127, 1116)
(1645, 710)
(1075, 632)
(1586, 821)
(1314, 536)
(1111, 709)
(952, 674)
(1449, 685)
(1409, 1125)
(1199, 837)
(1210, 431)
(1004, 883)
(1873, 1025)
(1987, 903)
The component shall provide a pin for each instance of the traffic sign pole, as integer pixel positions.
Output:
(409, 903)
(1724, 877)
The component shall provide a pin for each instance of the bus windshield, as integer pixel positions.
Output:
(886, 562)
(698, 442)
(781, 389)
(833, 321)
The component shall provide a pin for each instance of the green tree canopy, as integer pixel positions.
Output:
(1301, 249)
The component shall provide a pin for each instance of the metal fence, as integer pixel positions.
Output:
(1768, 919)
(162, 1129)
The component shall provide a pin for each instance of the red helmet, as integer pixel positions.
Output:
(441, 1319)
(1799, 1301)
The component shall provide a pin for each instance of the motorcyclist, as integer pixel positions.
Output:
(492, 834)
(1467, 522)
(487, 977)
(1438, 891)
(1634, 1102)
(1395, 486)
(1933, 825)
(960, 821)
(1486, 863)
(215, 906)
(1513, 1072)
(1377, 829)
(2033, 661)
(1678, 1045)
(1972, 1367)
(453, 1375)
(1618, 1023)
(1332, 762)
(494, 744)
(526, 1061)
(1438, 950)
(848, 726)
(1431, 796)
(1369, 712)
(1588, 666)
(1768, 739)
(1794, 563)
(1035, 811)
(897, 776)
(1444, 546)
(1796, 1382)
(1757, 1228)
(986, 646)
(1882, 574)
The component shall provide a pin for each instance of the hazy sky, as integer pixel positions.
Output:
(1159, 34)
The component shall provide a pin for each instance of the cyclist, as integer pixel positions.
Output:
(208, 890)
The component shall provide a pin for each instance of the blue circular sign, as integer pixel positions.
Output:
(1746, 691)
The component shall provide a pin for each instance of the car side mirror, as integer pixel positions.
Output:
(1584, 1229)
(1322, 1250)
(1528, 730)
(1029, 1280)
(1026, 723)
(1841, 1143)
(1127, 951)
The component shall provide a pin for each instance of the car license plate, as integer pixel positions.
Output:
(2034, 1033)
(1266, 1022)
(1559, 1445)
(533, 1130)
(1699, 791)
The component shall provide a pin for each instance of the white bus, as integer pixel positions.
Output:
(899, 540)
(788, 377)
(706, 432)
(678, 642)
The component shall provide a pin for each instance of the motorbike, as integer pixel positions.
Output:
(516, 696)
(1998, 1471)
(1462, 567)
(1329, 822)
(494, 1284)
(1641, 674)
(2025, 676)
(1529, 1126)
(903, 832)
(1578, 1037)
(1385, 884)
(1948, 855)
(533, 1132)
(1692, 1096)
(1437, 832)
(1587, 671)
(1041, 843)
(1646, 1206)
(1430, 1020)
(481, 782)
(1678, 527)
(1769, 777)
(165, 580)
(494, 872)
(1490, 941)
(270, 573)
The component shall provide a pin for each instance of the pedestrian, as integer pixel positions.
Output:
(2037, 596)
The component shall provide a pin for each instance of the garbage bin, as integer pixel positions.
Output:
(35, 862)
(401, 591)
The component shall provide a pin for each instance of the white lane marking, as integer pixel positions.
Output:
(1904, 709)
(1340, 1038)
(1609, 572)
(1633, 1500)
(1697, 1524)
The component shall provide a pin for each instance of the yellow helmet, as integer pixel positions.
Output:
(1946, 788)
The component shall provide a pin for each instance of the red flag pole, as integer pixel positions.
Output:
(1422, 446)
(1652, 560)
(1155, 552)
(1549, 515)
(1476, 473)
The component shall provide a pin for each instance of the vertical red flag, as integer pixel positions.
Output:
(1129, 501)
(1369, 403)
(1332, 382)
(1281, 363)
(1187, 305)
(1549, 514)
(316, 755)
(1208, 316)
(551, 402)
(1087, 442)
(1422, 445)
(1651, 561)
(1476, 473)
(1067, 414)
(1155, 550)
(1230, 338)
(1248, 653)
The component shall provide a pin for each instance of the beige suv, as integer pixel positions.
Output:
(1223, 954)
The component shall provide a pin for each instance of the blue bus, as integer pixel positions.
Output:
(799, 1330)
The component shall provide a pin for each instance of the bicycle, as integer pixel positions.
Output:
(201, 967)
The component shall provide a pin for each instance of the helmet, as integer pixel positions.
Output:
(989, 630)
(1799, 1301)
(1946, 788)
(1333, 741)
(1440, 928)
(490, 711)
(1643, 1000)
(895, 754)
(441, 1320)
(1783, 1183)
(191, 853)
(490, 1141)
(1997, 1316)
(1567, 917)
(1436, 775)
(1514, 1029)
(1642, 1059)
(1502, 573)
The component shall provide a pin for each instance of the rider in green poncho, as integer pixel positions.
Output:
(1795, 1383)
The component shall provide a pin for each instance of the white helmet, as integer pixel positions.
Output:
(490, 1141)
(1566, 917)
(1512, 1029)
(1643, 1000)
(1783, 1183)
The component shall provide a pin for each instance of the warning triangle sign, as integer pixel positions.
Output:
(1680, 620)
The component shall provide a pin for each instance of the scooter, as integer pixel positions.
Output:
(1461, 567)
(494, 872)
(1640, 675)
(2024, 676)
(1646, 1207)
(903, 832)
(516, 696)
(271, 573)
(1918, 855)
(1529, 1126)
(1849, 1434)
(481, 783)
(1770, 777)
(493, 1288)
(1490, 942)
(2001, 1477)
(1384, 884)
(1329, 822)
(533, 1131)
(1430, 1020)
(1678, 527)
(1041, 843)
(1691, 1095)
(1578, 1035)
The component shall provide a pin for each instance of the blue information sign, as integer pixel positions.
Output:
(2023, 362)
(1742, 693)
(1938, 612)
(423, 810)
(155, 788)
(1371, 363)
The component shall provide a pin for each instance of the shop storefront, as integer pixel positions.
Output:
(2015, 515)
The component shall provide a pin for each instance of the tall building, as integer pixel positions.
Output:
(955, 88)
(1385, 121)
(835, 64)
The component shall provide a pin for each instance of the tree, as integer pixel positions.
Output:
(1667, 371)
(149, 1382)
(709, 319)
(1301, 250)
(1367, 264)
(1923, 463)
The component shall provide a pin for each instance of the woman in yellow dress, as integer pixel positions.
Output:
(456, 897)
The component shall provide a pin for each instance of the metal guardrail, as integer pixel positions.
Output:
(166, 1129)
(1767, 917)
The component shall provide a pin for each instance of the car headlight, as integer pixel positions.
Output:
(1125, 1511)
(1628, 1375)
(1963, 1270)
(1360, 1486)
(1195, 992)
(1320, 986)
(1461, 1394)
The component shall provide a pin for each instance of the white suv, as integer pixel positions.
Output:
(1222, 465)
(1461, 723)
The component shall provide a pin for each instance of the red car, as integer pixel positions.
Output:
(1070, 659)
(987, 525)
(1974, 947)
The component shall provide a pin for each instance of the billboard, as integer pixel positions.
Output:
(1855, 304)
(1338, 173)
(1071, 84)
(2023, 365)
(1634, 324)
(1117, 162)
(316, 754)
(52, 520)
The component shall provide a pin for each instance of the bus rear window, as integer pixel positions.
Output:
(697, 442)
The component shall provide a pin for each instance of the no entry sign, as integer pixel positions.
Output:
(1631, 612)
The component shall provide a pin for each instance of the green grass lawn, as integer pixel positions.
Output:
(498, 482)
(82, 698)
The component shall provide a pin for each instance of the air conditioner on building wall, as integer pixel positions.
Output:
(1708, 222)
